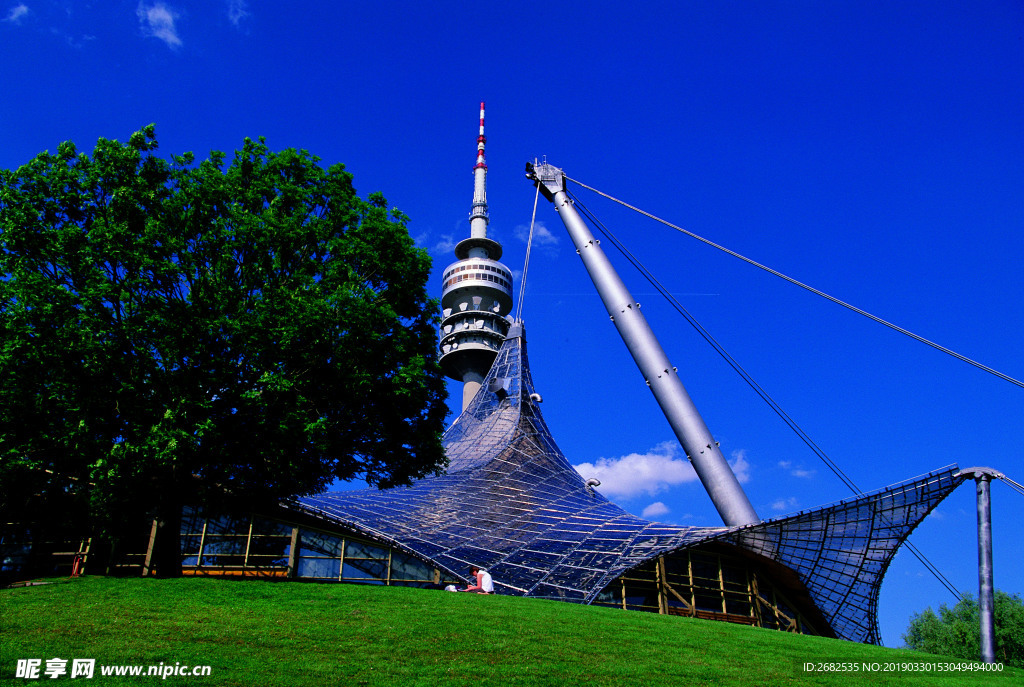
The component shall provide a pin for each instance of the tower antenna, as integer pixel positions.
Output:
(476, 295)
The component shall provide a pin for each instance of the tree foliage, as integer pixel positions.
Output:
(956, 631)
(176, 332)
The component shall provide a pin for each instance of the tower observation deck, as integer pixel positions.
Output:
(476, 295)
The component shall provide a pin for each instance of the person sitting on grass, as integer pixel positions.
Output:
(483, 582)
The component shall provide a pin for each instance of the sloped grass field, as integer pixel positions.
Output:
(296, 634)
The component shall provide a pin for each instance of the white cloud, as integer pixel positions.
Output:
(654, 510)
(641, 473)
(16, 13)
(796, 472)
(740, 466)
(157, 20)
(789, 504)
(543, 239)
(237, 11)
(445, 246)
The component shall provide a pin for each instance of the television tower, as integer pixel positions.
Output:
(476, 296)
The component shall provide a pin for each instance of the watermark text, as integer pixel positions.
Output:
(72, 668)
(900, 667)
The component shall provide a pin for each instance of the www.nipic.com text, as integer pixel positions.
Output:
(36, 668)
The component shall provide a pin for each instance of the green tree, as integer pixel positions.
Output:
(185, 333)
(956, 631)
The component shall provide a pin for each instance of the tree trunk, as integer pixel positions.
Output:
(167, 548)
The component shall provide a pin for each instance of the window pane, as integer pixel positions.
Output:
(269, 546)
(222, 560)
(737, 606)
(357, 549)
(405, 567)
(228, 524)
(319, 544)
(270, 527)
(318, 568)
(363, 569)
(190, 545)
(233, 545)
(707, 602)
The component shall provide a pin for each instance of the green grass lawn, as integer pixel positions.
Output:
(295, 634)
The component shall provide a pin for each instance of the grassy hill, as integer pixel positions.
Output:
(295, 634)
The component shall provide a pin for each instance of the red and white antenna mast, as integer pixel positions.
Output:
(478, 218)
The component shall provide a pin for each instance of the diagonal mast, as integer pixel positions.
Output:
(701, 448)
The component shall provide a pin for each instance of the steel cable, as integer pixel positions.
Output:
(526, 263)
(1016, 486)
(813, 290)
(758, 389)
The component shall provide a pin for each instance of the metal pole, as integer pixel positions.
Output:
(986, 599)
(701, 448)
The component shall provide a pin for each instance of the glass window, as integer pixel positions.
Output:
(222, 560)
(318, 568)
(357, 549)
(266, 526)
(737, 606)
(192, 521)
(405, 567)
(224, 545)
(364, 569)
(190, 544)
(270, 546)
(313, 543)
(228, 524)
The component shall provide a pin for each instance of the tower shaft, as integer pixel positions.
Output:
(476, 295)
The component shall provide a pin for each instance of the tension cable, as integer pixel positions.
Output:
(526, 264)
(758, 389)
(813, 290)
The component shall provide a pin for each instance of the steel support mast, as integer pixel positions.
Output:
(986, 587)
(701, 449)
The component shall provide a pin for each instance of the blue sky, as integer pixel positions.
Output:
(874, 150)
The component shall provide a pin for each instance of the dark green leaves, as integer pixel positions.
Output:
(249, 330)
(955, 631)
